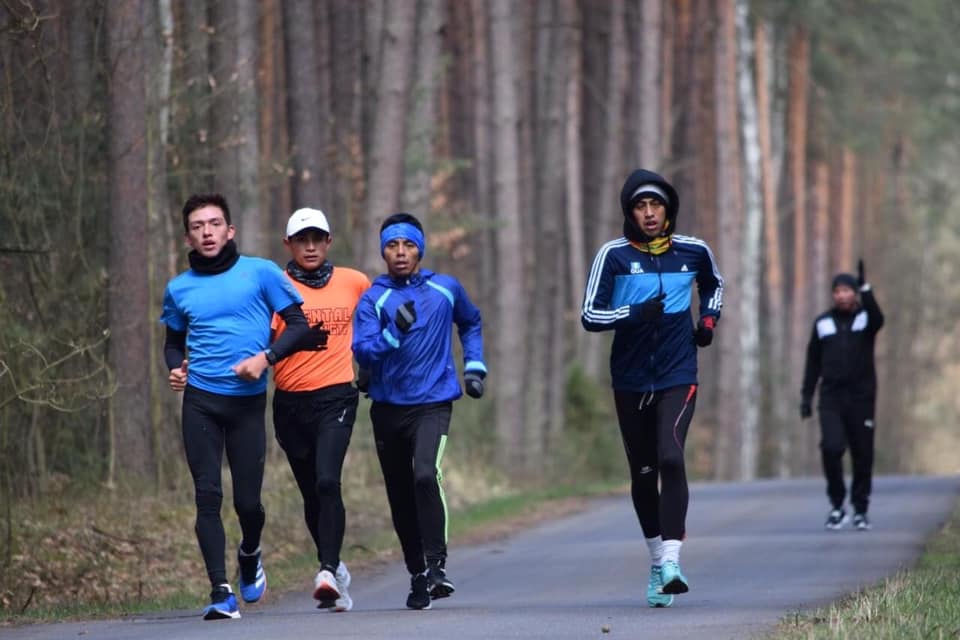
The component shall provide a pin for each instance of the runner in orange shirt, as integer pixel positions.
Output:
(315, 402)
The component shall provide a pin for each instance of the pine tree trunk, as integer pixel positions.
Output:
(730, 226)
(389, 129)
(128, 285)
(647, 90)
(510, 350)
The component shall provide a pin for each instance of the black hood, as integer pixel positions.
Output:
(641, 176)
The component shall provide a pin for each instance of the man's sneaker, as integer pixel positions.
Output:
(253, 580)
(673, 579)
(655, 597)
(438, 584)
(325, 586)
(223, 604)
(344, 602)
(861, 522)
(419, 597)
(836, 519)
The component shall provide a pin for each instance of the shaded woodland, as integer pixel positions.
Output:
(801, 136)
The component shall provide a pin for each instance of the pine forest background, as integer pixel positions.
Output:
(800, 135)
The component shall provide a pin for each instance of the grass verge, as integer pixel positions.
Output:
(921, 603)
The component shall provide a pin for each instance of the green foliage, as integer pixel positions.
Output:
(591, 447)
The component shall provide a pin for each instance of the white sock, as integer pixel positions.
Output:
(671, 550)
(656, 550)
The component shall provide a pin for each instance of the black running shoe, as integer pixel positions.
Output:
(836, 519)
(419, 597)
(438, 584)
(861, 522)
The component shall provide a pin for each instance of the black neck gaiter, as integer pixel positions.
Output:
(227, 257)
(316, 279)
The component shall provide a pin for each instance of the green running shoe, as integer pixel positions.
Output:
(655, 598)
(673, 580)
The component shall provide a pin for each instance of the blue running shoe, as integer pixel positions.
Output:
(253, 580)
(673, 580)
(223, 604)
(655, 597)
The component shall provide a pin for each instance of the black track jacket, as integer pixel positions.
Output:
(841, 353)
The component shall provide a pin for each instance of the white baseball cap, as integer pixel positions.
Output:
(307, 219)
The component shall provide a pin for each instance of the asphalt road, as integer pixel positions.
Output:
(755, 553)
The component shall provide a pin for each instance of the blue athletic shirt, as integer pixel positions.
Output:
(227, 319)
(649, 356)
(416, 367)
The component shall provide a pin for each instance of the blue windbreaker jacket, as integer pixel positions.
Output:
(649, 356)
(416, 367)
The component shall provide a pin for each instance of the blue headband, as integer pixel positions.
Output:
(403, 230)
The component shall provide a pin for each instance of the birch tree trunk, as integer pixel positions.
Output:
(128, 284)
(511, 309)
(750, 255)
(389, 129)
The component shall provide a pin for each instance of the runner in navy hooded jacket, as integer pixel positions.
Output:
(402, 337)
(640, 287)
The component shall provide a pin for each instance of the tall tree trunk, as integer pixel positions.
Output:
(347, 195)
(420, 161)
(128, 288)
(303, 100)
(800, 309)
(577, 252)
(730, 229)
(606, 211)
(275, 196)
(751, 265)
(843, 255)
(647, 90)
(389, 130)
(481, 91)
(252, 232)
(510, 351)
(198, 170)
(774, 362)
(162, 232)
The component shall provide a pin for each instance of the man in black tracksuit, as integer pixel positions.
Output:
(840, 354)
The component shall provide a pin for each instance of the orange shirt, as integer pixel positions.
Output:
(334, 304)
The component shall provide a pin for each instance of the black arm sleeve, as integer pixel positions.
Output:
(811, 372)
(292, 337)
(175, 348)
(874, 314)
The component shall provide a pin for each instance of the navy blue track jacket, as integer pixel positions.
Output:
(649, 356)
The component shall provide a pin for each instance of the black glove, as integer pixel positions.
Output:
(805, 409)
(650, 310)
(363, 380)
(315, 339)
(473, 381)
(861, 276)
(406, 316)
(703, 336)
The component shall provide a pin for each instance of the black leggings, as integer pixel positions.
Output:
(212, 423)
(654, 430)
(314, 429)
(410, 442)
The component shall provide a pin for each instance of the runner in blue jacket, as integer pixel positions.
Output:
(640, 287)
(402, 337)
